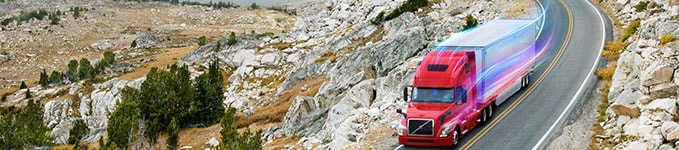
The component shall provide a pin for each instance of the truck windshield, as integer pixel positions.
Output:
(433, 95)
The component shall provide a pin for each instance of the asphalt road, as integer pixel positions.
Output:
(523, 120)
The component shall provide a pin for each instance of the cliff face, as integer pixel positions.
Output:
(644, 93)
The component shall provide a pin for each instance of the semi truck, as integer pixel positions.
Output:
(462, 79)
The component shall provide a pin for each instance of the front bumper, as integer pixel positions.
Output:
(425, 141)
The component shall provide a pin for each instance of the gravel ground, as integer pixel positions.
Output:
(576, 135)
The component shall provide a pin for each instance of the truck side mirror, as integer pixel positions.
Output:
(406, 93)
(401, 112)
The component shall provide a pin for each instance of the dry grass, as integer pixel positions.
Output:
(161, 60)
(612, 50)
(63, 147)
(275, 112)
(327, 56)
(631, 29)
(666, 38)
(281, 143)
(606, 73)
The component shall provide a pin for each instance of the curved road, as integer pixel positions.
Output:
(573, 35)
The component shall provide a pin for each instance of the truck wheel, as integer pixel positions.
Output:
(456, 136)
(484, 116)
(490, 112)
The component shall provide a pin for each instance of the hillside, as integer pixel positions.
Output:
(327, 78)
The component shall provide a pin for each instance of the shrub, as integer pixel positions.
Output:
(666, 38)
(470, 22)
(254, 6)
(641, 6)
(134, 43)
(606, 73)
(232, 39)
(4, 97)
(23, 128)
(265, 34)
(631, 28)
(202, 40)
(408, 6)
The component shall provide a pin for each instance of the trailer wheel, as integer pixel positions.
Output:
(484, 115)
(490, 112)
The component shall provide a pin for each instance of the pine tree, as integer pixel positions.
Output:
(210, 97)
(109, 58)
(23, 85)
(124, 119)
(229, 132)
(56, 77)
(28, 94)
(173, 135)
(44, 79)
(85, 70)
(72, 72)
(79, 130)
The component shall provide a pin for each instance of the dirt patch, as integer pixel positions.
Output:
(161, 60)
(381, 138)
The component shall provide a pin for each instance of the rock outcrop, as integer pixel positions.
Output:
(644, 91)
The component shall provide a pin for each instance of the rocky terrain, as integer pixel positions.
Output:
(112, 26)
(644, 92)
(330, 81)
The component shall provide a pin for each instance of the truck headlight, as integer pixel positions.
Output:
(445, 131)
(399, 129)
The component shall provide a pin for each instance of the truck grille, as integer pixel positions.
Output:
(421, 127)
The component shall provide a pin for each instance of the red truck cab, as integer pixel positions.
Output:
(442, 105)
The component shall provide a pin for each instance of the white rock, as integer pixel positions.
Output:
(667, 127)
(186, 147)
(270, 59)
(245, 57)
(636, 145)
(667, 105)
(631, 127)
(212, 142)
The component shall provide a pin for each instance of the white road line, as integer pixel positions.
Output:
(542, 16)
(399, 147)
(591, 71)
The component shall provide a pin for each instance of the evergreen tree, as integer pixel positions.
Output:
(23, 85)
(210, 97)
(229, 132)
(470, 22)
(109, 58)
(72, 72)
(4, 97)
(85, 70)
(123, 119)
(134, 43)
(173, 135)
(44, 79)
(56, 77)
(79, 130)
(28, 94)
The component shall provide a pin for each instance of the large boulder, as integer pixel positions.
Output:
(148, 41)
(666, 105)
(664, 90)
(658, 72)
(626, 103)
(303, 114)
